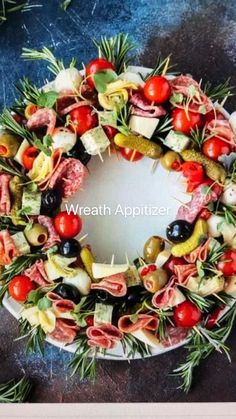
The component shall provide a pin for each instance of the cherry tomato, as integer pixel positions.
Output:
(89, 320)
(96, 65)
(193, 171)
(157, 89)
(129, 154)
(186, 314)
(29, 157)
(110, 131)
(185, 122)
(215, 147)
(19, 287)
(218, 189)
(147, 269)
(213, 317)
(82, 119)
(205, 214)
(67, 225)
(227, 263)
(173, 261)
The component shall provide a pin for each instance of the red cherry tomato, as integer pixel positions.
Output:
(129, 154)
(110, 131)
(227, 263)
(215, 147)
(82, 119)
(193, 171)
(96, 65)
(147, 269)
(89, 320)
(67, 225)
(185, 122)
(19, 287)
(173, 261)
(186, 314)
(213, 317)
(157, 89)
(218, 189)
(205, 214)
(29, 157)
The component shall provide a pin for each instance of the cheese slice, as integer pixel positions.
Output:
(95, 141)
(143, 125)
(162, 258)
(176, 141)
(146, 337)
(103, 314)
(21, 243)
(102, 270)
(31, 200)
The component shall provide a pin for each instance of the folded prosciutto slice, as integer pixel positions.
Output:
(68, 176)
(37, 273)
(174, 335)
(53, 237)
(8, 249)
(43, 117)
(142, 107)
(200, 253)
(222, 129)
(105, 336)
(191, 89)
(65, 331)
(144, 321)
(113, 284)
(5, 200)
(201, 197)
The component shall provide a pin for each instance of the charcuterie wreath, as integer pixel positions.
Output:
(182, 288)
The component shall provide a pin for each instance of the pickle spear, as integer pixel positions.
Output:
(140, 144)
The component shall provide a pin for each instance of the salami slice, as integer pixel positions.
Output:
(185, 85)
(143, 321)
(184, 272)
(142, 107)
(65, 331)
(69, 176)
(105, 336)
(200, 253)
(174, 335)
(56, 159)
(43, 117)
(37, 273)
(114, 285)
(75, 105)
(63, 306)
(53, 237)
(222, 128)
(201, 197)
(162, 298)
(5, 200)
(8, 249)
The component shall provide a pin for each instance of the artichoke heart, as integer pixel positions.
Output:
(206, 286)
(116, 94)
(43, 165)
(60, 264)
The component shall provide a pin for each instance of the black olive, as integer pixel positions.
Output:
(106, 298)
(68, 292)
(69, 248)
(179, 231)
(50, 202)
(79, 152)
(133, 295)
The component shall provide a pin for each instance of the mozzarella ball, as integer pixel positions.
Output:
(81, 281)
(63, 138)
(229, 195)
(68, 80)
(213, 223)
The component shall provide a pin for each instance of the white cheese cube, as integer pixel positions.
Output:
(143, 125)
(176, 141)
(107, 118)
(18, 157)
(21, 243)
(31, 200)
(95, 141)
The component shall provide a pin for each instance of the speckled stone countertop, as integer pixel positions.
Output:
(201, 35)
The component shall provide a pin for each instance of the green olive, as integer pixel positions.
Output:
(36, 235)
(9, 144)
(169, 158)
(153, 246)
(155, 280)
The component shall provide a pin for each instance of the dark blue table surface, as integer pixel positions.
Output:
(201, 35)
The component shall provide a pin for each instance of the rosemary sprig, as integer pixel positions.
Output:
(35, 337)
(202, 303)
(7, 224)
(55, 65)
(8, 166)
(202, 343)
(9, 6)
(219, 92)
(198, 137)
(214, 255)
(116, 50)
(15, 391)
(19, 265)
(28, 90)
(122, 115)
(84, 359)
(132, 347)
(163, 65)
(65, 4)
(9, 123)
(229, 213)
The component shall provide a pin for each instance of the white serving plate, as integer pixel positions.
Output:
(113, 182)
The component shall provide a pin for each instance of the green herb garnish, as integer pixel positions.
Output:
(102, 78)
(15, 391)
